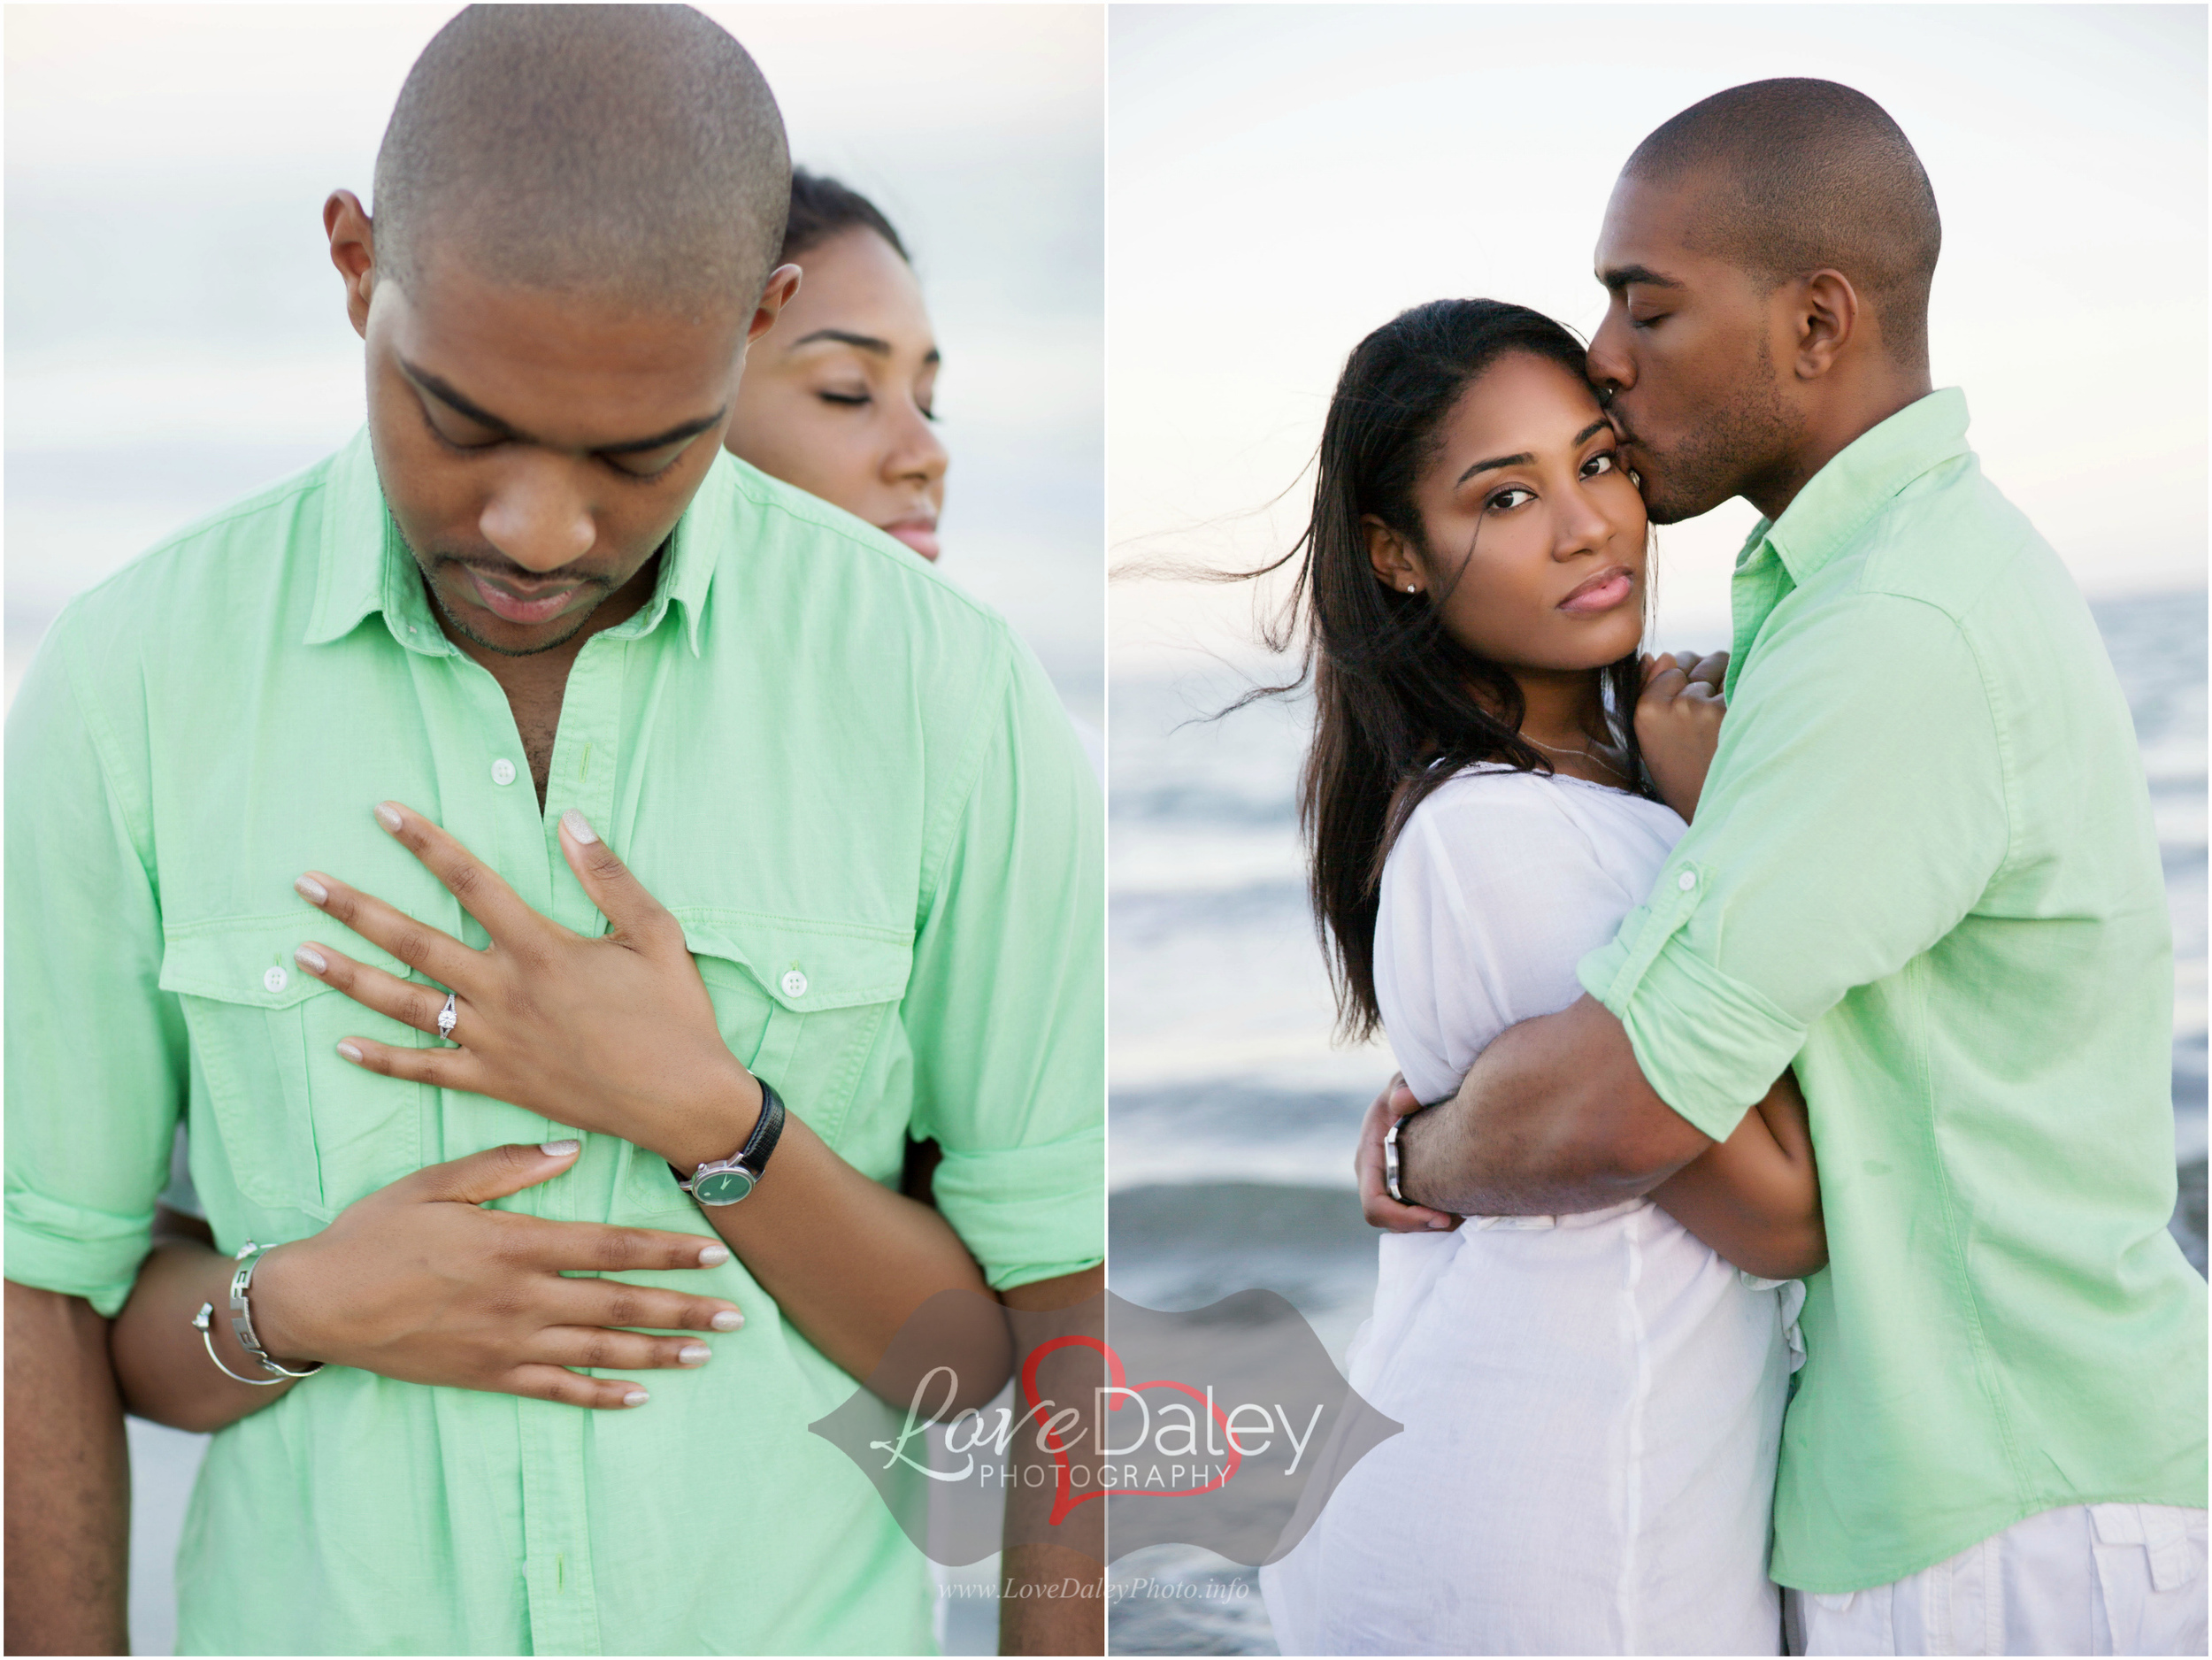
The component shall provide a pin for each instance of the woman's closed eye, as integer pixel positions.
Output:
(861, 400)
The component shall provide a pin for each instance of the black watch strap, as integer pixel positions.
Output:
(766, 1128)
(754, 1155)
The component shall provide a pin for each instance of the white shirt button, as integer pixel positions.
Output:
(1686, 881)
(503, 770)
(275, 979)
(793, 983)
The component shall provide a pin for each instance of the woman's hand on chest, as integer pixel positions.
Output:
(616, 1035)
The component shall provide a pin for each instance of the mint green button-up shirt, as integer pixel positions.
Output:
(851, 784)
(1924, 870)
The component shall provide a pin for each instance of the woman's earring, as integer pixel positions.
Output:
(1412, 588)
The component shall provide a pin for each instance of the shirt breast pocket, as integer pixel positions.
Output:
(305, 1130)
(801, 1004)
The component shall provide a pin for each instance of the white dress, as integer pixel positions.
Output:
(1592, 1403)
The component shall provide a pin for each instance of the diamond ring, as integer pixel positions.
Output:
(447, 1016)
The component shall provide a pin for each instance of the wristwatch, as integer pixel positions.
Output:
(726, 1180)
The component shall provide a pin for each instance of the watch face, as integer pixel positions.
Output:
(723, 1186)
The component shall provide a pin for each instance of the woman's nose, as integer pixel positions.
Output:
(918, 453)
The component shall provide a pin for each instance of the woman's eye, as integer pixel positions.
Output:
(1506, 500)
(851, 400)
(1605, 461)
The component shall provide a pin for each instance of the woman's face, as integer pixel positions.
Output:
(1535, 532)
(837, 396)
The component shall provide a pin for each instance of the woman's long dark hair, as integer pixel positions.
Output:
(1400, 705)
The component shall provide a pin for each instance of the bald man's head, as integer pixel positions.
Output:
(1796, 174)
(631, 152)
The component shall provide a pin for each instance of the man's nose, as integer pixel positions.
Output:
(1609, 365)
(537, 516)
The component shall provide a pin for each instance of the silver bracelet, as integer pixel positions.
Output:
(242, 1324)
(1391, 1168)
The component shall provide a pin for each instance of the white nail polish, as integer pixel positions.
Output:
(713, 1256)
(727, 1320)
(573, 821)
(308, 957)
(350, 1051)
(693, 1354)
(309, 888)
(637, 1397)
(559, 1149)
(387, 815)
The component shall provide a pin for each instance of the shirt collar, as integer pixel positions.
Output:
(1859, 480)
(366, 567)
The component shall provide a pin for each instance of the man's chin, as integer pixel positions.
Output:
(1665, 504)
(512, 640)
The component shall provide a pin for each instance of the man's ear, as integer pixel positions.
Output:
(783, 282)
(353, 250)
(1826, 318)
(1396, 565)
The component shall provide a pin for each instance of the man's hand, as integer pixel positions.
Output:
(614, 1034)
(1678, 723)
(1396, 1102)
(419, 1281)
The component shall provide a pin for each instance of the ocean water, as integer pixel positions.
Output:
(1233, 1117)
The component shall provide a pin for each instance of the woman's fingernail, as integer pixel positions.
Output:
(637, 1397)
(693, 1354)
(559, 1149)
(1439, 1223)
(309, 888)
(573, 822)
(713, 1256)
(387, 815)
(350, 1051)
(727, 1320)
(308, 957)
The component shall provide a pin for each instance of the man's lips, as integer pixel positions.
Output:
(918, 534)
(1603, 592)
(532, 605)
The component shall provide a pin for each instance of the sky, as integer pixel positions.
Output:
(1285, 179)
(175, 337)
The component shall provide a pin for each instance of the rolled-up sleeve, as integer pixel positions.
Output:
(1855, 812)
(1005, 1010)
(96, 1051)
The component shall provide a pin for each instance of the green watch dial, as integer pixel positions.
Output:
(723, 1186)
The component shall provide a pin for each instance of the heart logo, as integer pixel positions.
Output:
(1064, 1498)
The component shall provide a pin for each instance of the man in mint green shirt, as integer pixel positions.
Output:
(1922, 873)
(536, 604)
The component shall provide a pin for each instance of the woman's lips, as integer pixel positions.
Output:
(1601, 592)
(918, 534)
(514, 608)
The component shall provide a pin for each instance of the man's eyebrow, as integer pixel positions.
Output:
(454, 400)
(1524, 458)
(1619, 277)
